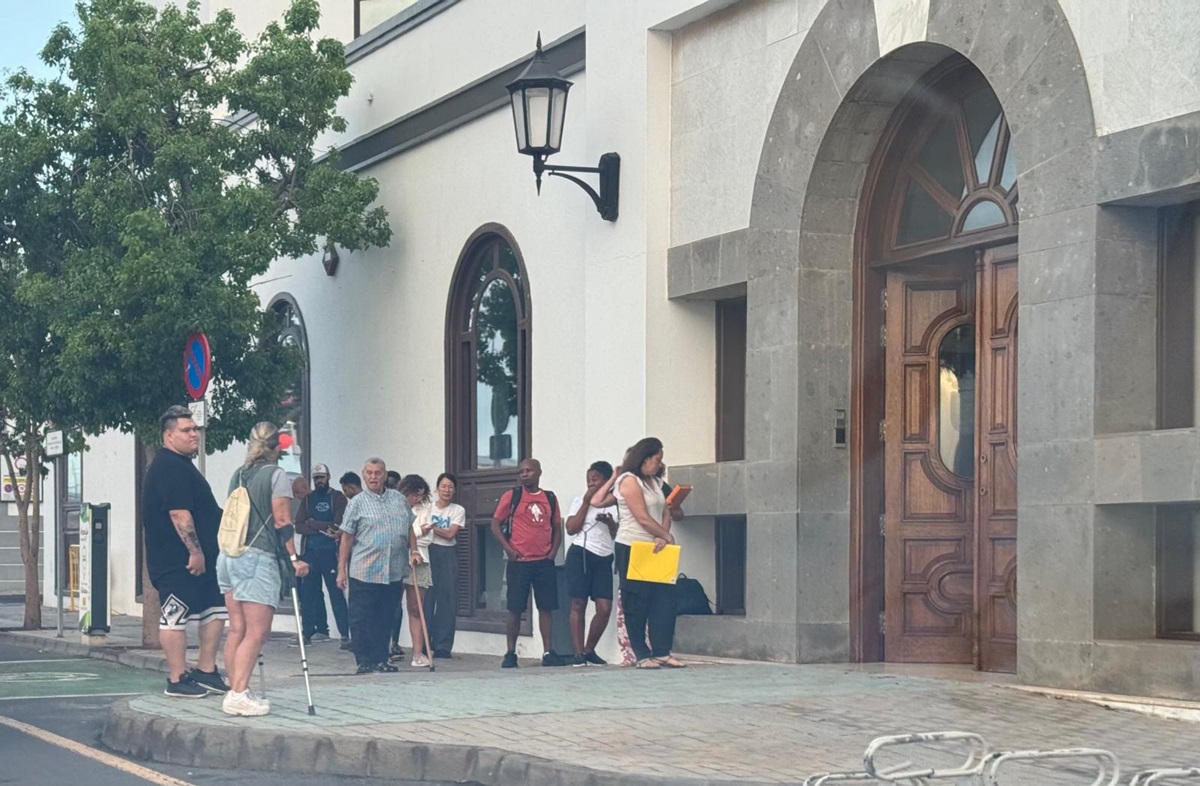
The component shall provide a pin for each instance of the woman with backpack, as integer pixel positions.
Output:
(255, 577)
(649, 607)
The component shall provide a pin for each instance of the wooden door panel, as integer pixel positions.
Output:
(996, 497)
(928, 510)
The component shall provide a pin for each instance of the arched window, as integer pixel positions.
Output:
(296, 426)
(956, 183)
(489, 337)
(488, 406)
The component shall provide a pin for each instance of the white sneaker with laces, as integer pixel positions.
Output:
(244, 704)
(420, 661)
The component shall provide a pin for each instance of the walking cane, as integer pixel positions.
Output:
(424, 624)
(303, 654)
(262, 677)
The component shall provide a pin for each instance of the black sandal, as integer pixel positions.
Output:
(386, 668)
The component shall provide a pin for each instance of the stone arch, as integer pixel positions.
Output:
(835, 103)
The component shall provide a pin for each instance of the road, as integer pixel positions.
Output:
(53, 708)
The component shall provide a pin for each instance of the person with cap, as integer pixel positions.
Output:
(318, 523)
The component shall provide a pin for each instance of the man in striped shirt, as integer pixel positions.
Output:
(373, 560)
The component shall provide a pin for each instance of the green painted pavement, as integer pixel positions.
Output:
(34, 679)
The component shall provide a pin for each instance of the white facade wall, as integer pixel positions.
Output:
(683, 90)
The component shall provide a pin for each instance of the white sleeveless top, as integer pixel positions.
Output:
(630, 530)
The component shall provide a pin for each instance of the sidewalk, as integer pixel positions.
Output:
(715, 723)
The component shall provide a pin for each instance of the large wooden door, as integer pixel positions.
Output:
(929, 509)
(996, 498)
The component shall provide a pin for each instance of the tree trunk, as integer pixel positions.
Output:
(151, 608)
(29, 527)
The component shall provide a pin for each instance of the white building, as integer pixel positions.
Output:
(788, 168)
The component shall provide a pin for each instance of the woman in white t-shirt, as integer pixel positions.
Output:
(589, 565)
(649, 607)
(441, 604)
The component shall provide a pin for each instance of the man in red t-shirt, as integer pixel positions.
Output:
(531, 545)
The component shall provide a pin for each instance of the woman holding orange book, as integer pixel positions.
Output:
(643, 516)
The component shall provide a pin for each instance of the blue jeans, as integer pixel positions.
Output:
(322, 569)
(252, 578)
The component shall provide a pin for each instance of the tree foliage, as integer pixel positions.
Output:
(141, 194)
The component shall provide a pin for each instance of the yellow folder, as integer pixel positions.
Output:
(645, 565)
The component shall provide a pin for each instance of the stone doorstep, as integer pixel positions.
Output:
(192, 744)
(1173, 709)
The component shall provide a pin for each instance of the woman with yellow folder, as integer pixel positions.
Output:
(643, 518)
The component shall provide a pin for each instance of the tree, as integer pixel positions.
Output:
(36, 227)
(171, 212)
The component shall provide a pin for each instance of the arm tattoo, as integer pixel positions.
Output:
(186, 528)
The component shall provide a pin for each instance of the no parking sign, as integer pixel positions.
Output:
(197, 365)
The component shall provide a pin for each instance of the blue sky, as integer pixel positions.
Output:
(24, 33)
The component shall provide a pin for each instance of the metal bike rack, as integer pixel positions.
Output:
(821, 779)
(1108, 770)
(976, 753)
(1148, 777)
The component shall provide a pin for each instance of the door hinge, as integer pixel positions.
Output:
(883, 299)
(883, 431)
(882, 623)
(882, 525)
(883, 335)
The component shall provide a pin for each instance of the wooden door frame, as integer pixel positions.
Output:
(879, 210)
(460, 381)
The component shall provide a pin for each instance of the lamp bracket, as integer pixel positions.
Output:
(609, 171)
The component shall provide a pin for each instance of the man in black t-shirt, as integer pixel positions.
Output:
(180, 518)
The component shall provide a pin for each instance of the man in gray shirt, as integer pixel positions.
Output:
(373, 560)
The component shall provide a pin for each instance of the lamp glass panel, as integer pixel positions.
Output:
(558, 113)
(519, 119)
(537, 101)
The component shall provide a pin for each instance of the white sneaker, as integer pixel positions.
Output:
(244, 704)
(420, 661)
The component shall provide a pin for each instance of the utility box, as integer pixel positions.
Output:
(93, 570)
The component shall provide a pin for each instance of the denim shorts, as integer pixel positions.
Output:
(252, 577)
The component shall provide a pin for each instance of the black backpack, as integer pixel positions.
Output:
(690, 597)
(506, 525)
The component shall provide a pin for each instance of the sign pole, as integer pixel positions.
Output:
(55, 448)
(60, 465)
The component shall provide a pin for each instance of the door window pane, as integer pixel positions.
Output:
(922, 218)
(983, 129)
(496, 377)
(74, 479)
(1179, 571)
(1008, 172)
(983, 215)
(941, 159)
(956, 421)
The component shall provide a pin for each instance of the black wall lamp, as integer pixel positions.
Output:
(539, 105)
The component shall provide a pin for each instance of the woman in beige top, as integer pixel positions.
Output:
(643, 516)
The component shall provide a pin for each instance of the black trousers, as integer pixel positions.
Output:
(371, 610)
(322, 570)
(441, 605)
(647, 604)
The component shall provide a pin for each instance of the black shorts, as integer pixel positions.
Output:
(541, 576)
(185, 597)
(589, 575)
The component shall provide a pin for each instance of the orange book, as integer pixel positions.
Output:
(678, 495)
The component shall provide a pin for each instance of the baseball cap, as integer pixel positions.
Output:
(320, 469)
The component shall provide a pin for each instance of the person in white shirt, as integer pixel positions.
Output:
(441, 603)
(589, 565)
(420, 578)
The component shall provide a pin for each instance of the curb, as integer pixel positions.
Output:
(136, 660)
(191, 744)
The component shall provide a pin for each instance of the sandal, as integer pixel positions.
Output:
(670, 662)
(648, 663)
